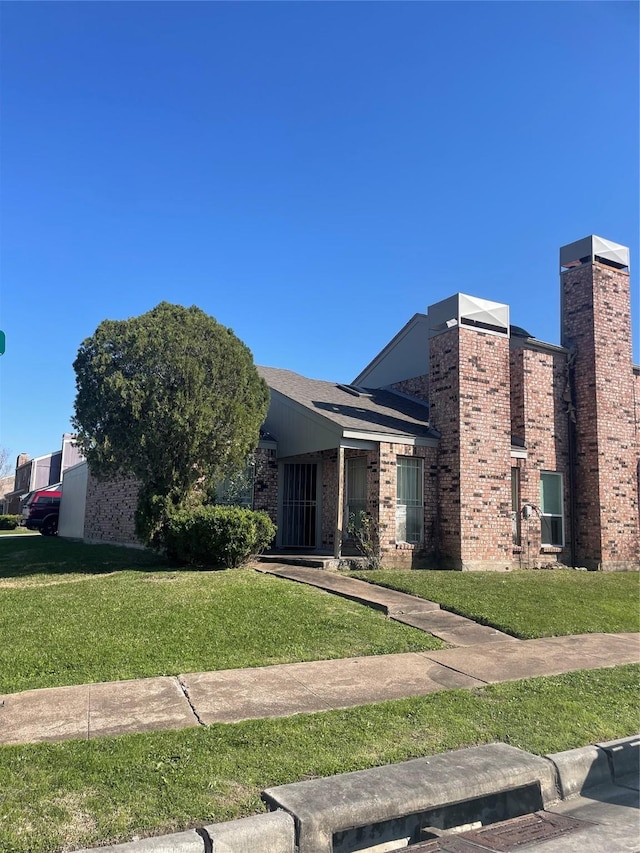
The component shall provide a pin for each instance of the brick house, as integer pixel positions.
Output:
(471, 444)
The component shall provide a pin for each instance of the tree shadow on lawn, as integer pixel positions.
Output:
(20, 558)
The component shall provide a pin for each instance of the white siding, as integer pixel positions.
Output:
(298, 430)
(72, 505)
(405, 357)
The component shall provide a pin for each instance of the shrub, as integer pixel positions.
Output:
(9, 522)
(364, 532)
(227, 536)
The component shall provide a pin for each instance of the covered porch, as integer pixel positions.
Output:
(342, 451)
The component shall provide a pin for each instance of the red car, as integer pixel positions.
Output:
(40, 510)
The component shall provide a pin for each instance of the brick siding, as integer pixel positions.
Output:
(418, 387)
(265, 483)
(471, 407)
(110, 511)
(539, 416)
(110, 506)
(596, 322)
(395, 553)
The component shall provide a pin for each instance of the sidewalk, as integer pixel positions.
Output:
(483, 656)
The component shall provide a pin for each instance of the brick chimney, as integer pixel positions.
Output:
(469, 394)
(596, 326)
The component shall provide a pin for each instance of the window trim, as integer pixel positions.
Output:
(543, 514)
(418, 505)
(516, 527)
(350, 463)
(243, 498)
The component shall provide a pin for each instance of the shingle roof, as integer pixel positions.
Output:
(375, 410)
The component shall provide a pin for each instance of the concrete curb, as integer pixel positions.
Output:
(615, 762)
(370, 809)
(179, 842)
(579, 769)
(273, 832)
(389, 804)
(624, 761)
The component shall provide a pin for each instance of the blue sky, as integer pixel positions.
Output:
(311, 174)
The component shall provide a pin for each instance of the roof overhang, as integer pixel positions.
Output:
(302, 431)
(414, 441)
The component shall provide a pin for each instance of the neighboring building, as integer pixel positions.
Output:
(40, 472)
(470, 443)
(73, 503)
(7, 485)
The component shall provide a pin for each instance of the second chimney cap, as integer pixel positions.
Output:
(590, 248)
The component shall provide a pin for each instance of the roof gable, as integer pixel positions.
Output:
(334, 412)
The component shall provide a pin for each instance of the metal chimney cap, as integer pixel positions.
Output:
(471, 312)
(594, 248)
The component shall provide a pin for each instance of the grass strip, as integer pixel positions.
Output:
(19, 531)
(528, 603)
(58, 797)
(37, 559)
(135, 624)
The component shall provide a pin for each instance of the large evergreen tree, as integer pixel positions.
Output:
(172, 398)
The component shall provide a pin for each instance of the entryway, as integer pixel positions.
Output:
(299, 518)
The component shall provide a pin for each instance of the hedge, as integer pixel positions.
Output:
(218, 536)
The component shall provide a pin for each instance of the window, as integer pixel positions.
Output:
(409, 500)
(515, 505)
(237, 490)
(356, 488)
(551, 504)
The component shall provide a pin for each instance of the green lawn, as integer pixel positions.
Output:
(73, 614)
(41, 559)
(19, 531)
(528, 603)
(58, 797)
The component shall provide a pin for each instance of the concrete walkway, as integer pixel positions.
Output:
(483, 656)
(399, 606)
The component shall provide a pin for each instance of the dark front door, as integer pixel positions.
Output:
(300, 505)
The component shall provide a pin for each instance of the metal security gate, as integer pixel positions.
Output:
(299, 505)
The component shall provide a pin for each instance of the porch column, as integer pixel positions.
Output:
(337, 538)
